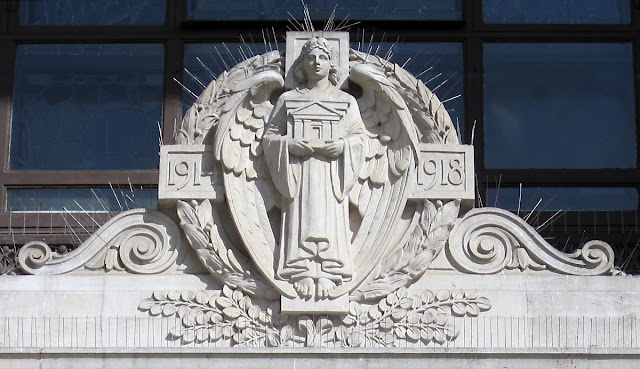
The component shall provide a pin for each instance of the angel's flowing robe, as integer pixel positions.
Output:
(314, 237)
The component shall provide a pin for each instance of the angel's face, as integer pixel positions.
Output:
(316, 64)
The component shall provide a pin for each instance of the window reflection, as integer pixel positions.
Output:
(83, 12)
(87, 106)
(82, 200)
(559, 105)
(557, 11)
(564, 198)
(321, 9)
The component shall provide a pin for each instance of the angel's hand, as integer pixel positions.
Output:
(333, 149)
(299, 148)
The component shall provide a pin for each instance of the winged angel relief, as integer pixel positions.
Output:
(339, 181)
(317, 184)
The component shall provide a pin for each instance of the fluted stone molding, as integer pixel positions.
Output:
(490, 240)
(138, 241)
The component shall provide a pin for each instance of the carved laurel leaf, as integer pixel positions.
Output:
(426, 318)
(197, 222)
(196, 237)
(204, 213)
(186, 213)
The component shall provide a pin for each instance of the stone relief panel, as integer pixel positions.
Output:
(316, 210)
(318, 186)
(233, 317)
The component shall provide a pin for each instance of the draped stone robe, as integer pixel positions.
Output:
(315, 239)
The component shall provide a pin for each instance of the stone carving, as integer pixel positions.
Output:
(137, 241)
(201, 225)
(314, 145)
(231, 316)
(444, 172)
(333, 197)
(489, 240)
(363, 156)
(408, 263)
(188, 171)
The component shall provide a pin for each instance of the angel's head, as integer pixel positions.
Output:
(316, 62)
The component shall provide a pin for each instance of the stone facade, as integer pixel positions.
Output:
(357, 247)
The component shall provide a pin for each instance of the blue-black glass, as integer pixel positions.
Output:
(92, 13)
(559, 105)
(82, 200)
(322, 9)
(439, 65)
(564, 198)
(557, 11)
(87, 107)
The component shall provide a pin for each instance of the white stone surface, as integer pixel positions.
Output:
(445, 172)
(188, 172)
(314, 305)
(206, 358)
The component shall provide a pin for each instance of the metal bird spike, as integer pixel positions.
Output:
(213, 76)
(307, 17)
(275, 39)
(247, 46)
(185, 88)
(226, 66)
(294, 22)
(346, 25)
(328, 25)
(195, 78)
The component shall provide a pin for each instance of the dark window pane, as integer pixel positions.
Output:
(83, 12)
(89, 200)
(321, 9)
(557, 11)
(559, 105)
(439, 65)
(87, 106)
(564, 198)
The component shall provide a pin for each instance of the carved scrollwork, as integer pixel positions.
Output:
(489, 240)
(33, 255)
(139, 241)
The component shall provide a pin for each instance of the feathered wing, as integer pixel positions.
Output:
(399, 112)
(238, 147)
(381, 193)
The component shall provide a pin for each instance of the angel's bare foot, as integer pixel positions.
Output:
(325, 287)
(304, 287)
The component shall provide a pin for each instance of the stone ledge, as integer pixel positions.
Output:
(195, 358)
